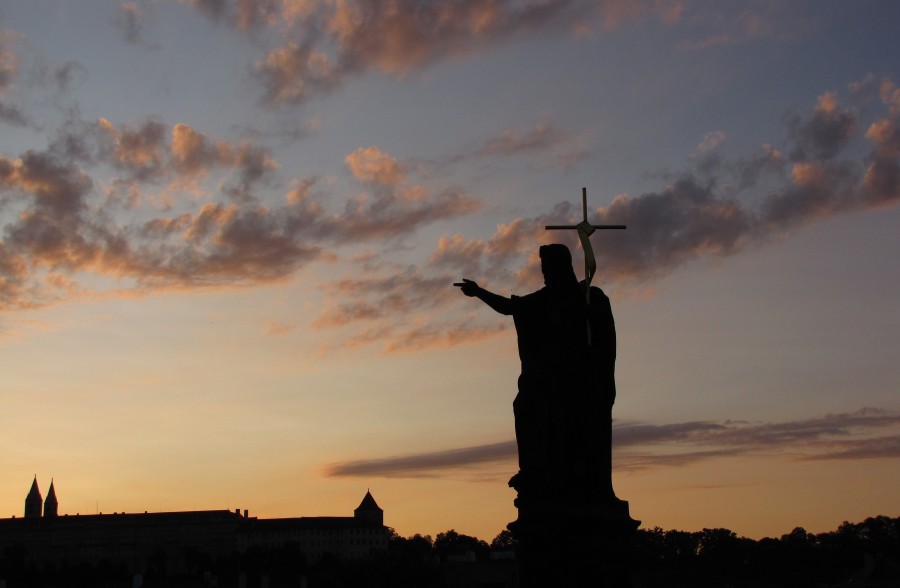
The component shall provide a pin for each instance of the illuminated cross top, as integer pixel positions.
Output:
(585, 230)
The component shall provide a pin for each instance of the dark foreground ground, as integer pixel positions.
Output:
(865, 554)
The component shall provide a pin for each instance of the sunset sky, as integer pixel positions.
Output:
(230, 230)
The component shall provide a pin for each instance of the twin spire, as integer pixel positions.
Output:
(35, 505)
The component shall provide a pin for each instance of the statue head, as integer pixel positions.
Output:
(556, 265)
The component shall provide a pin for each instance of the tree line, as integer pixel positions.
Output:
(858, 554)
(855, 554)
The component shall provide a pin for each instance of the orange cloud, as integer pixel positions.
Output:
(885, 133)
(9, 71)
(141, 149)
(372, 165)
(326, 42)
(441, 335)
(827, 130)
(63, 224)
(340, 39)
(807, 173)
(890, 95)
(193, 153)
(293, 73)
(368, 298)
(9, 60)
(696, 216)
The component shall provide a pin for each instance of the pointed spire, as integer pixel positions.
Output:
(369, 510)
(368, 503)
(34, 502)
(51, 504)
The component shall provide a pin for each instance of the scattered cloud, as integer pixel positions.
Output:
(424, 464)
(286, 131)
(278, 328)
(715, 26)
(561, 149)
(129, 20)
(295, 72)
(478, 257)
(379, 297)
(699, 213)
(882, 447)
(441, 334)
(615, 13)
(9, 60)
(514, 142)
(827, 130)
(227, 233)
(710, 141)
(59, 222)
(545, 144)
(325, 43)
(9, 71)
(372, 165)
(214, 9)
(139, 150)
(864, 434)
(392, 294)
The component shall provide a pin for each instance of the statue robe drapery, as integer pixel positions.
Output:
(563, 409)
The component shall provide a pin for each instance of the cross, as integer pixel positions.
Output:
(585, 230)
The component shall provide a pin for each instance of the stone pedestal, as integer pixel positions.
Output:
(569, 544)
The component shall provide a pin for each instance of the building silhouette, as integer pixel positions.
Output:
(34, 502)
(137, 539)
(51, 505)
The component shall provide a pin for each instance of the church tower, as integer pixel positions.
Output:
(369, 510)
(34, 502)
(51, 505)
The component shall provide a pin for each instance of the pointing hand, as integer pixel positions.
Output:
(468, 287)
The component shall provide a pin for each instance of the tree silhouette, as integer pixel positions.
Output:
(450, 543)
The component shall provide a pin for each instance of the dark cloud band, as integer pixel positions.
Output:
(643, 445)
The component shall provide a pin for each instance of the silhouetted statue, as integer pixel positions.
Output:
(571, 528)
(567, 386)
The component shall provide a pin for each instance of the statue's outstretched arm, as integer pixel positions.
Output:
(499, 303)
